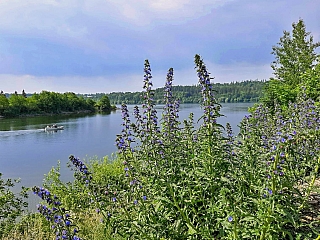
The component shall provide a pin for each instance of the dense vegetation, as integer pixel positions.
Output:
(246, 91)
(49, 103)
(173, 180)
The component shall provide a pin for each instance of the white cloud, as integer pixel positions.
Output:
(144, 12)
(51, 15)
(56, 21)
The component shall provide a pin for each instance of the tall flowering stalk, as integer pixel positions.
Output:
(150, 114)
(150, 142)
(210, 105)
(58, 216)
(210, 129)
(170, 116)
(125, 139)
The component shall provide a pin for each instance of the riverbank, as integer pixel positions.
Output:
(57, 114)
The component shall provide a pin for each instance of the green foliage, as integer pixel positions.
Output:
(296, 65)
(17, 105)
(4, 103)
(12, 205)
(103, 104)
(31, 226)
(312, 83)
(50, 103)
(246, 91)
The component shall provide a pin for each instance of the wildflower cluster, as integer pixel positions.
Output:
(81, 171)
(58, 216)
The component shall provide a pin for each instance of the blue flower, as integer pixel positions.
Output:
(144, 198)
(230, 218)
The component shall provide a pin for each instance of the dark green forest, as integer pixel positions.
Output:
(12, 105)
(246, 91)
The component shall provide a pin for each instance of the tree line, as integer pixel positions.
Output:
(246, 91)
(12, 105)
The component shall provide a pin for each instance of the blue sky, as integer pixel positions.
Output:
(88, 46)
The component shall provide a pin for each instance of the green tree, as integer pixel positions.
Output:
(294, 57)
(18, 104)
(312, 83)
(90, 104)
(104, 104)
(4, 103)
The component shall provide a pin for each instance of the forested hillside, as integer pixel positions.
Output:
(246, 91)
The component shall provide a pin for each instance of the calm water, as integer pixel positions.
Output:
(28, 152)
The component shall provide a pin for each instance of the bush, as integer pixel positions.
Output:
(12, 205)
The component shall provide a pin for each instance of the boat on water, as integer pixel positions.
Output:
(53, 128)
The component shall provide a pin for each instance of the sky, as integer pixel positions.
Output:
(89, 46)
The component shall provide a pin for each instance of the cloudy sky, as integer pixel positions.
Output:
(88, 46)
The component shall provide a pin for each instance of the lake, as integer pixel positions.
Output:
(28, 152)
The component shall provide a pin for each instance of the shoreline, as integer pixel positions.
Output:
(55, 114)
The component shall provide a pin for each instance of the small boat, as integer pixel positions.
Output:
(53, 128)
